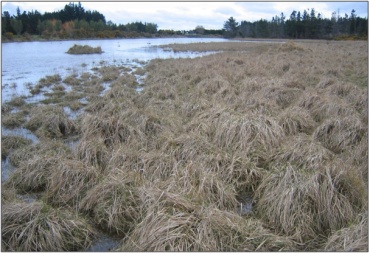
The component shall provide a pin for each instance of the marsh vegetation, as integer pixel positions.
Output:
(86, 49)
(281, 129)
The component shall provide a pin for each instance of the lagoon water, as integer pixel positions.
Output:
(26, 62)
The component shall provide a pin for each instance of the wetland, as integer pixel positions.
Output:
(185, 145)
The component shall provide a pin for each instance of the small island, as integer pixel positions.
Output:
(78, 49)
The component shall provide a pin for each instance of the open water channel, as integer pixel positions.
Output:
(25, 63)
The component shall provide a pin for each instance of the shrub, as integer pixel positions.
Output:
(9, 35)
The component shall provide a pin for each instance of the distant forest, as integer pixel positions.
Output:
(74, 22)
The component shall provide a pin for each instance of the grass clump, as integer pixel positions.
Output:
(350, 239)
(33, 175)
(13, 120)
(79, 49)
(49, 80)
(38, 227)
(173, 223)
(338, 134)
(16, 102)
(278, 129)
(10, 143)
(306, 204)
(51, 122)
(113, 203)
(69, 182)
(35, 164)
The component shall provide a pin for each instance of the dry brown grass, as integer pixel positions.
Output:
(338, 134)
(306, 204)
(353, 238)
(33, 174)
(47, 148)
(50, 122)
(114, 203)
(35, 163)
(173, 223)
(38, 227)
(12, 120)
(69, 182)
(166, 167)
(11, 143)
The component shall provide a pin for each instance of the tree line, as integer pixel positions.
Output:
(74, 22)
(71, 22)
(300, 25)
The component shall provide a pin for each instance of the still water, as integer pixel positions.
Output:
(26, 62)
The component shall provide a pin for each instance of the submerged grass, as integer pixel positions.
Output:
(165, 168)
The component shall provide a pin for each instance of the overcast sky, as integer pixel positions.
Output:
(188, 15)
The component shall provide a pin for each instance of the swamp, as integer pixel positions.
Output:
(245, 146)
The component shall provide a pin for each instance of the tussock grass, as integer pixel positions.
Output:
(49, 80)
(13, 120)
(352, 238)
(203, 186)
(338, 134)
(16, 102)
(306, 204)
(93, 152)
(10, 143)
(72, 80)
(173, 223)
(79, 49)
(216, 46)
(166, 168)
(38, 227)
(50, 122)
(8, 194)
(290, 46)
(114, 202)
(109, 73)
(302, 152)
(35, 162)
(47, 148)
(32, 175)
(69, 182)
(296, 120)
